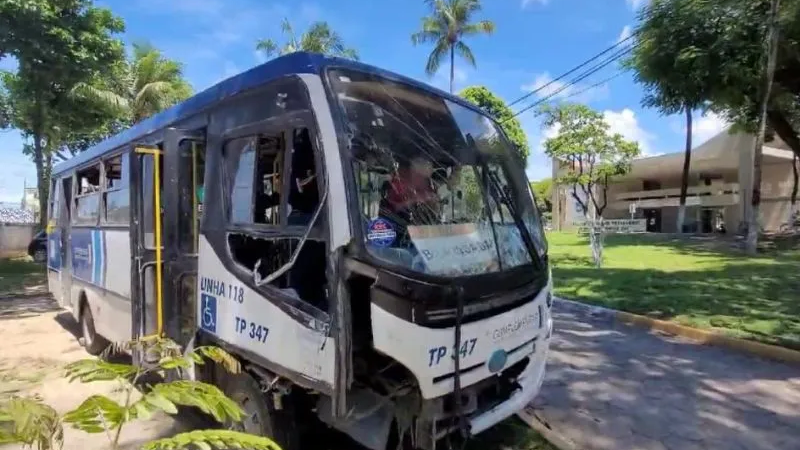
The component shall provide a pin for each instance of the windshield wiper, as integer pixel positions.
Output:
(500, 197)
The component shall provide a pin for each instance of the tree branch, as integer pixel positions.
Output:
(784, 129)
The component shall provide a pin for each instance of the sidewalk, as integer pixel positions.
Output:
(615, 387)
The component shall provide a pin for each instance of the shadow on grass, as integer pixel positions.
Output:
(759, 301)
(717, 245)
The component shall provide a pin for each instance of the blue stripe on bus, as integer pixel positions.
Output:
(54, 250)
(96, 256)
(89, 255)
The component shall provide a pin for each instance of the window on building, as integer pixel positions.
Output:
(87, 200)
(116, 196)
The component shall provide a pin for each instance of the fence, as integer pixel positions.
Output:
(618, 226)
(15, 237)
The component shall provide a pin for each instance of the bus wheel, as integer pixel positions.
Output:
(260, 416)
(92, 342)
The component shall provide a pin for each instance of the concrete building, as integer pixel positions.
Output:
(30, 198)
(720, 187)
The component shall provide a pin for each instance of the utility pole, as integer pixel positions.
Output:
(771, 41)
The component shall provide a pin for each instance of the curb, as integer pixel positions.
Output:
(704, 337)
(528, 415)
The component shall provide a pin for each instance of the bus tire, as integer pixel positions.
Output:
(261, 417)
(92, 342)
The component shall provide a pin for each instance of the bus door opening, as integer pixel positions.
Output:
(147, 231)
(187, 162)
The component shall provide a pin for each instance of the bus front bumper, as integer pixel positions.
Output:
(530, 382)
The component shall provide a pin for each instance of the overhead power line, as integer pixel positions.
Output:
(573, 70)
(589, 72)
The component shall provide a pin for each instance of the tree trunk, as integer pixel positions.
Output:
(687, 159)
(452, 65)
(42, 178)
(753, 227)
(596, 240)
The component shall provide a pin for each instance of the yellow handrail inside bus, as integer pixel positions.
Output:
(157, 212)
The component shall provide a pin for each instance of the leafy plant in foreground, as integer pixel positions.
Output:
(34, 424)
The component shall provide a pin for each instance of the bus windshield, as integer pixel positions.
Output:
(440, 189)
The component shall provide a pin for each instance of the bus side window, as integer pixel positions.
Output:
(256, 195)
(116, 198)
(262, 197)
(87, 200)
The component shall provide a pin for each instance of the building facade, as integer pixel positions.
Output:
(719, 193)
(30, 200)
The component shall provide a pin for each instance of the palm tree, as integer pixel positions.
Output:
(141, 87)
(319, 38)
(447, 26)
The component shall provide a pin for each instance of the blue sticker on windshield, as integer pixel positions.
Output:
(380, 233)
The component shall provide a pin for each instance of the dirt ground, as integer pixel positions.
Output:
(36, 341)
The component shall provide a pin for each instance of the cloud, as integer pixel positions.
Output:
(704, 127)
(544, 86)
(624, 34)
(526, 3)
(229, 69)
(539, 164)
(441, 79)
(636, 4)
(194, 7)
(625, 123)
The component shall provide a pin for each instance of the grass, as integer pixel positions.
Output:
(17, 274)
(701, 282)
(511, 434)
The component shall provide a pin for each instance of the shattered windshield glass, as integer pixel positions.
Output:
(440, 189)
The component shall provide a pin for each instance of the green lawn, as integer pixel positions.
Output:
(16, 274)
(511, 434)
(700, 282)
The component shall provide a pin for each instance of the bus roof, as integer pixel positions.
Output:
(293, 63)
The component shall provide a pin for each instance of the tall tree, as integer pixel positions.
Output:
(719, 45)
(497, 108)
(590, 156)
(56, 45)
(663, 64)
(543, 190)
(146, 84)
(449, 23)
(771, 53)
(319, 38)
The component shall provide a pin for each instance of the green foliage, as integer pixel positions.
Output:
(590, 155)
(205, 397)
(319, 38)
(710, 54)
(89, 370)
(138, 88)
(543, 191)
(497, 108)
(216, 439)
(449, 23)
(30, 422)
(56, 45)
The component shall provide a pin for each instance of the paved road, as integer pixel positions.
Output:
(612, 386)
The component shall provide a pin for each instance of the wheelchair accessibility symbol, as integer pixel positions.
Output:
(208, 316)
